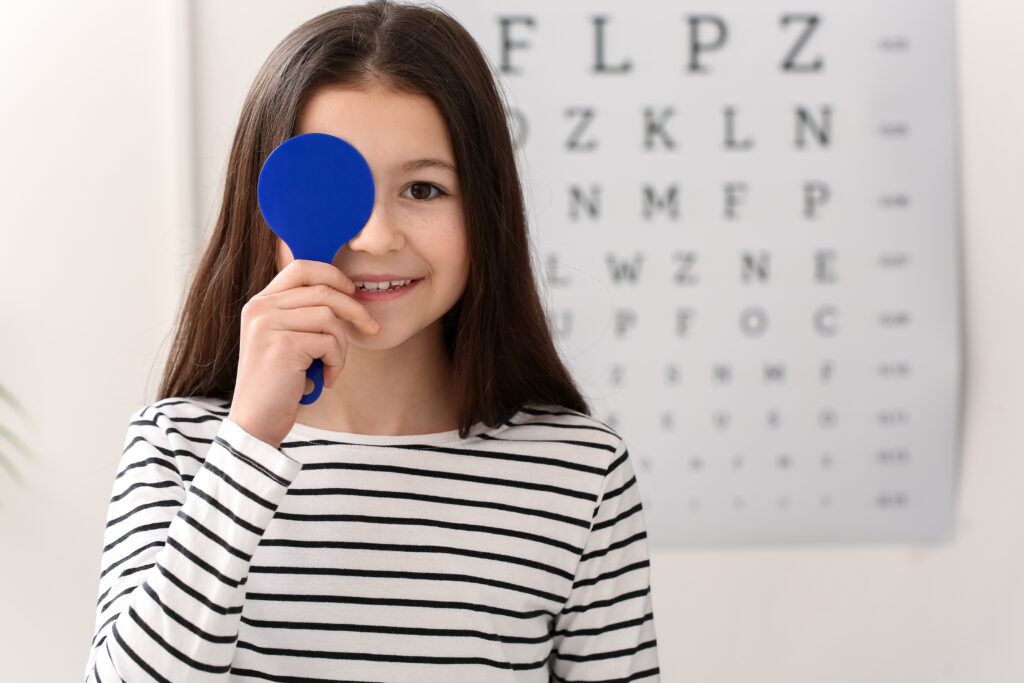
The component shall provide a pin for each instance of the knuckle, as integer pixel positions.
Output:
(254, 306)
(325, 316)
(256, 321)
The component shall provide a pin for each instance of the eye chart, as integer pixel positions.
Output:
(746, 222)
(746, 215)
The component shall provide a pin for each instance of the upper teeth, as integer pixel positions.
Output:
(381, 286)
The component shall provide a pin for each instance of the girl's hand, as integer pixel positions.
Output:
(295, 319)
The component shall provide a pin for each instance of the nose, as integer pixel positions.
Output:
(380, 235)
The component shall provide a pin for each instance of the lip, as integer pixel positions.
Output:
(365, 295)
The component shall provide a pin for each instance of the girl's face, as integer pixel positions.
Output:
(416, 230)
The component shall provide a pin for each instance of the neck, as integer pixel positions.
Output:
(402, 390)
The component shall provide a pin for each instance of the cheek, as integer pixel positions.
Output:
(458, 253)
(444, 243)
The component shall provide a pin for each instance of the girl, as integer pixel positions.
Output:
(446, 511)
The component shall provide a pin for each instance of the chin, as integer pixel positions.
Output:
(378, 342)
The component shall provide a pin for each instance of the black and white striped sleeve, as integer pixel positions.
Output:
(176, 552)
(605, 632)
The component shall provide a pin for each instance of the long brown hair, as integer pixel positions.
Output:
(497, 335)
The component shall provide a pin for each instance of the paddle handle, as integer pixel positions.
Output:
(315, 372)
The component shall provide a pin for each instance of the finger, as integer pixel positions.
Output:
(343, 306)
(302, 272)
(333, 371)
(318, 319)
(324, 346)
(321, 321)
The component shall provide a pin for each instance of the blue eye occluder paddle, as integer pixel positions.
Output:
(316, 193)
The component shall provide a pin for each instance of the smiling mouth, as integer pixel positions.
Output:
(386, 286)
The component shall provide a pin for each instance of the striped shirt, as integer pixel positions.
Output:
(516, 554)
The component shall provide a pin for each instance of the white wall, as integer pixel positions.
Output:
(91, 254)
(97, 223)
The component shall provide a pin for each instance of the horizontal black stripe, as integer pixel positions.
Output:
(628, 679)
(397, 548)
(618, 626)
(175, 652)
(224, 510)
(114, 565)
(618, 518)
(170, 453)
(612, 574)
(134, 570)
(201, 528)
(400, 659)
(464, 502)
(598, 604)
(473, 452)
(259, 467)
(239, 487)
(208, 417)
(571, 413)
(194, 404)
(395, 630)
(415, 521)
(560, 425)
(189, 437)
(276, 678)
(196, 595)
(567, 442)
(161, 462)
(619, 491)
(202, 564)
(617, 462)
(397, 602)
(166, 609)
(136, 658)
(615, 546)
(106, 606)
(511, 457)
(155, 485)
(171, 430)
(144, 506)
(411, 576)
(457, 476)
(597, 656)
(131, 532)
(102, 627)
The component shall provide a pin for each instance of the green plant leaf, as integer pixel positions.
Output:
(6, 464)
(8, 397)
(15, 441)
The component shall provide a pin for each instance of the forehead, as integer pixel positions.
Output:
(387, 126)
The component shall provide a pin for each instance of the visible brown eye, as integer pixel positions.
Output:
(424, 191)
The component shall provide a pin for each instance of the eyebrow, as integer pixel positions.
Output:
(418, 164)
